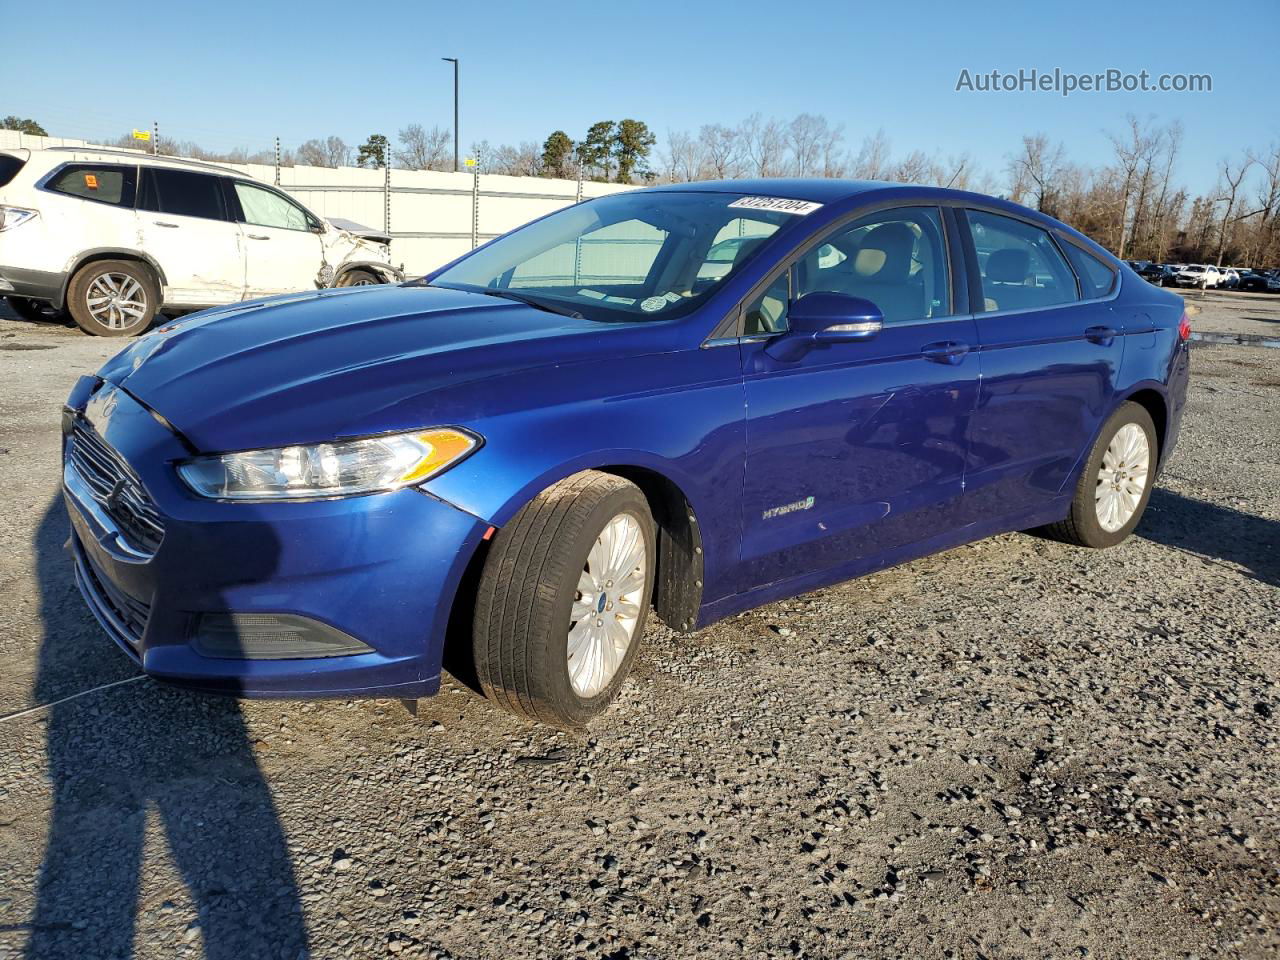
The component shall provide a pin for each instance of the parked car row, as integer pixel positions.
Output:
(1206, 276)
(114, 237)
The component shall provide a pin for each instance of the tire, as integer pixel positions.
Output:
(1084, 525)
(35, 311)
(358, 278)
(131, 314)
(528, 593)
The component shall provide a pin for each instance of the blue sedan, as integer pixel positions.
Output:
(700, 398)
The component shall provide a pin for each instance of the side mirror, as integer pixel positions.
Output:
(824, 318)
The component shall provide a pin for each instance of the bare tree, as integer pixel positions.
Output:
(872, 161)
(763, 146)
(1231, 188)
(422, 149)
(811, 139)
(1036, 171)
(681, 159)
(720, 149)
(329, 152)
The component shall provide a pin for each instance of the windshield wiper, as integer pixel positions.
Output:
(533, 302)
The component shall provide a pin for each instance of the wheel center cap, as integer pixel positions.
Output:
(600, 604)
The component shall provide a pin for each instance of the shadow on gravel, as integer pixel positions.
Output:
(145, 755)
(1222, 533)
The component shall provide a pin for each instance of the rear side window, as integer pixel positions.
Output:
(1096, 277)
(9, 167)
(1020, 264)
(182, 193)
(102, 182)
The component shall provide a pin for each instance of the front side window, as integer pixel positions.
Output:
(1020, 265)
(102, 182)
(635, 256)
(266, 208)
(182, 193)
(897, 259)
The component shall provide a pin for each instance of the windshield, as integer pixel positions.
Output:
(640, 255)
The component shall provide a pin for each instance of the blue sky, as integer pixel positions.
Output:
(240, 73)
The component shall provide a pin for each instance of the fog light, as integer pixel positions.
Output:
(270, 636)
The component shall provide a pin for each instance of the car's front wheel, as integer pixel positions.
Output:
(358, 278)
(563, 599)
(113, 298)
(1115, 485)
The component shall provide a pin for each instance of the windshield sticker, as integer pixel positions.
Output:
(780, 204)
(593, 294)
(672, 296)
(625, 301)
(653, 304)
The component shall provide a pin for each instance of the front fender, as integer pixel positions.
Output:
(679, 415)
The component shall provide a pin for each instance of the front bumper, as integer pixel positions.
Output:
(35, 284)
(383, 569)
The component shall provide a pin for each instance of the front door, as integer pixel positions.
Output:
(1049, 366)
(283, 250)
(857, 450)
(185, 227)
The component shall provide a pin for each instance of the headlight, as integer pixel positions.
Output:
(340, 469)
(11, 217)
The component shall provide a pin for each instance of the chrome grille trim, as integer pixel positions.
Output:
(120, 614)
(116, 488)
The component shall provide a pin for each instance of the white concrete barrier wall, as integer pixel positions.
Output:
(431, 213)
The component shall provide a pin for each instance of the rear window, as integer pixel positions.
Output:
(182, 194)
(9, 167)
(1096, 277)
(105, 183)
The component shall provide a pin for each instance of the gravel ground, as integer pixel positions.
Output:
(1230, 311)
(1013, 749)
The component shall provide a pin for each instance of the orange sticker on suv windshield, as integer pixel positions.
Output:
(91, 181)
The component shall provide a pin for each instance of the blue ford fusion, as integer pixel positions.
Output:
(701, 398)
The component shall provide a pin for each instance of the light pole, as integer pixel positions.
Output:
(454, 61)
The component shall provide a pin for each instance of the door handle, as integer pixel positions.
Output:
(945, 351)
(162, 223)
(1100, 334)
(257, 236)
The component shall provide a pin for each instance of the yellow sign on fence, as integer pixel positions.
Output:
(142, 135)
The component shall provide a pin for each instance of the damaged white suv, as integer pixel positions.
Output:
(115, 237)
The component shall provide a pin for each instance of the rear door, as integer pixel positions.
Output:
(857, 450)
(1050, 357)
(185, 227)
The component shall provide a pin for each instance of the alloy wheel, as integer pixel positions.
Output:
(117, 301)
(1122, 478)
(606, 607)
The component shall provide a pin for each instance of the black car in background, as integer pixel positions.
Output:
(1260, 282)
(1157, 273)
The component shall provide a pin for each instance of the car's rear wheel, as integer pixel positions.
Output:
(358, 278)
(1115, 485)
(113, 298)
(563, 599)
(36, 311)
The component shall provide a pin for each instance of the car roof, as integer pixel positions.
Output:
(132, 156)
(812, 189)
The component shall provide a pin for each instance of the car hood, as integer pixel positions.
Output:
(310, 367)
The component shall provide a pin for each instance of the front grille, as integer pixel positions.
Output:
(116, 488)
(128, 615)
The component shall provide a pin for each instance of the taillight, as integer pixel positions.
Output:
(11, 217)
(1184, 327)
